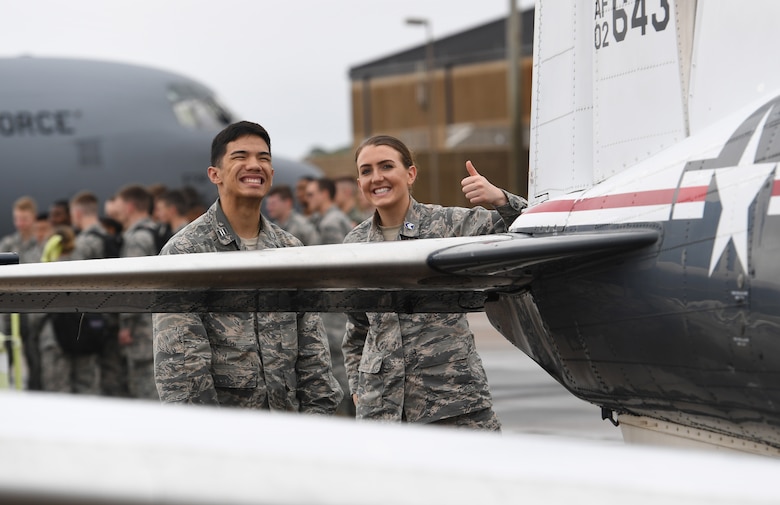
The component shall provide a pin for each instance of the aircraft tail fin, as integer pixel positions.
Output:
(609, 88)
(616, 81)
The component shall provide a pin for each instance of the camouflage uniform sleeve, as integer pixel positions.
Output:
(182, 352)
(318, 390)
(479, 220)
(512, 209)
(182, 360)
(354, 341)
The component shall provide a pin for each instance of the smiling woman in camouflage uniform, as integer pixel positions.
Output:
(420, 368)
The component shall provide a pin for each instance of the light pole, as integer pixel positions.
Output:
(513, 58)
(433, 154)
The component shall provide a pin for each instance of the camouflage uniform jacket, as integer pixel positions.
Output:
(302, 229)
(420, 367)
(89, 244)
(29, 250)
(333, 225)
(137, 240)
(254, 360)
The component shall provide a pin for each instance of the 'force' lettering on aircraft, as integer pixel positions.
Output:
(42, 122)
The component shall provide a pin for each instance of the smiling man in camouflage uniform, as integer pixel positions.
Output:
(276, 361)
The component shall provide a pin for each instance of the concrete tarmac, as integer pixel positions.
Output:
(527, 399)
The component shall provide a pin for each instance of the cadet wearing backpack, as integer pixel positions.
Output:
(159, 232)
(91, 242)
(96, 332)
(133, 204)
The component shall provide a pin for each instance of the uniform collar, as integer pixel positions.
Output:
(410, 228)
(225, 232)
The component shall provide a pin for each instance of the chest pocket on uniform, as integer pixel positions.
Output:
(289, 330)
(371, 363)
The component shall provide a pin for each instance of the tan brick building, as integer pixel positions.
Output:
(471, 108)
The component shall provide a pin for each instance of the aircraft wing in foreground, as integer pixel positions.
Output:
(454, 275)
(102, 450)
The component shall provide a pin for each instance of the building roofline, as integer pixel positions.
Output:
(483, 43)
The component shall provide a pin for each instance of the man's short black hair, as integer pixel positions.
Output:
(232, 132)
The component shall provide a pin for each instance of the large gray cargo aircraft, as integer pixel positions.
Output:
(643, 277)
(73, 124)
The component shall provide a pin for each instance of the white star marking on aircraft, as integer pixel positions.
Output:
(737, 189)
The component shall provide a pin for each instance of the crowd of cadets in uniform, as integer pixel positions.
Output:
(48, 367)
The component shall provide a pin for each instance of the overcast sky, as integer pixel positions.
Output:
(281, 63)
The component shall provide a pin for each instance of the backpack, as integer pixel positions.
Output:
(80, 333)
(161, 234)
(111, 243)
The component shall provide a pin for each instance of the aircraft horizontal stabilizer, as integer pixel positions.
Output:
(514, 258)
(435, 275)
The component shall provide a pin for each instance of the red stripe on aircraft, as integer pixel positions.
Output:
(554, 206)
(622, 200)
(776, 188)
(692, 194)
(638, 199)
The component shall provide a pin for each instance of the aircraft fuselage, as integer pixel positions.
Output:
(685, 330)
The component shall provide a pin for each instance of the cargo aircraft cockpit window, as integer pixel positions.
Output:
(197, 110)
